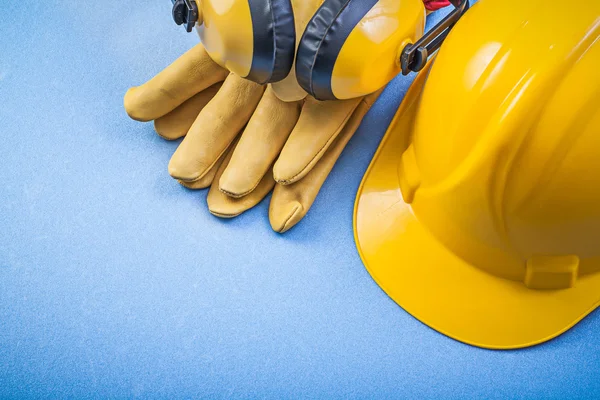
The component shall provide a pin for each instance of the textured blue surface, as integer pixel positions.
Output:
(116, 282)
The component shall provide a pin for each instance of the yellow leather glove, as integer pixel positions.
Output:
(242, 139)
(196, 98)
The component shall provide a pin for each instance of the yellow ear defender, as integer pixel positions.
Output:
(355, 47)
(350, 48)
(255, 39)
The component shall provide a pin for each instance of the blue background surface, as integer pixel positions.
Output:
(117, 282)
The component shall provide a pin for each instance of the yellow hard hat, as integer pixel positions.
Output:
(480, 213)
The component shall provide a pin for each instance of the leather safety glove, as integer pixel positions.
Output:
(236, 129)
(196, 98)
(289, 145)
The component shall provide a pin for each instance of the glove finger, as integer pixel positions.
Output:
(207, 179)
(259, 145)
(178, 122)
(223, 206)
(215, 128)
(290, 203)
(188, 75)
(320, 123)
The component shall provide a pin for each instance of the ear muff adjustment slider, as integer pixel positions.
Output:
(185, 12)
(414, 56)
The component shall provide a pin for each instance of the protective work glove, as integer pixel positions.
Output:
(196, 98)
(236, 130)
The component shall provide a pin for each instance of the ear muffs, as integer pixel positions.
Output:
(255, 39)
(351, 48)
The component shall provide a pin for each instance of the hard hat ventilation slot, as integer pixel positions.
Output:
(551, 272)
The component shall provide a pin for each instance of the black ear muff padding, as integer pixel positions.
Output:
(322, 42)
(274, 40)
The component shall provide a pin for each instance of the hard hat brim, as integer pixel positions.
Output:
(437, 287)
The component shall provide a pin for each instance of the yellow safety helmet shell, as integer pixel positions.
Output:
(352, 48)
(255, 39)
(480, 213)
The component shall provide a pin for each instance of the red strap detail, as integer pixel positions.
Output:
(433, 5)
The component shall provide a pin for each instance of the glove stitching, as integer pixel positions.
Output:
(222, 215)
(292, 215)
(239, 195)
(321, 150)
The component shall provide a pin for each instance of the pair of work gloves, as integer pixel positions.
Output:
(241, 139)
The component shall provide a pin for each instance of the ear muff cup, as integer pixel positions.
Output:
(255, 39)
(351, 48)
(322, 42)
(274, 40)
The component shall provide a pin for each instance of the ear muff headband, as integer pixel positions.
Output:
(274, 40)
(322, 42)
